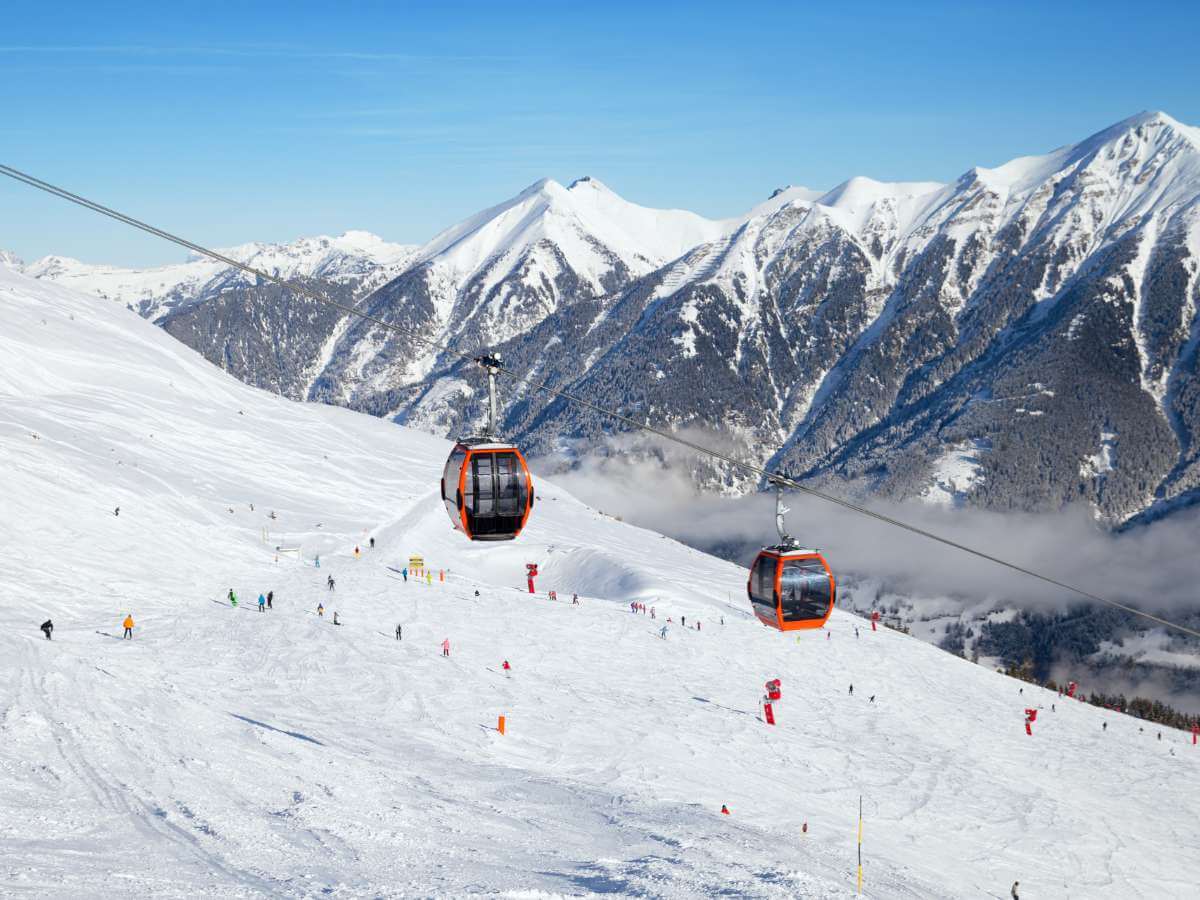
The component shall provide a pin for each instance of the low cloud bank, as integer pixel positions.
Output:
(1156, 568)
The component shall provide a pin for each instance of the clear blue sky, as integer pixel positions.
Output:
(255, 121)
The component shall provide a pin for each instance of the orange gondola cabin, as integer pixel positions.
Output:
(790, 588)
(487, 489)
(486, 485)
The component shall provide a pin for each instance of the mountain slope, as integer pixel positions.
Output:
(228, 752)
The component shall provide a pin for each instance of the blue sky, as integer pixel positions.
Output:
(258, 121)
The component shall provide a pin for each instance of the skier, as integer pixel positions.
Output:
(47, 627)
(357, 552)
(1104, 726)
(851, 690)
(117, 511)
(663, 634)
(335, 618)
(856, 632)
(724, 810)
(652, 613)
(270, 599)
(872, 698)
(477, 593)
(329, 582)
(697, 624)
(506, 667)
(232, 598)
(321, 610)
(446, 647)
(399, 632)
(404, 572)
(372, 543)
(1015, 895)
(262, 603)
(632, 607)
(574, 599)
(1021, 692)
(722, 620)
(683, 621)
(317, 560)
(128, 626)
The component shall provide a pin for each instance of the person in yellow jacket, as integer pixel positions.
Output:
(128, 625)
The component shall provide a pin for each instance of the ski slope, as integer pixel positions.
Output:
(228, 753)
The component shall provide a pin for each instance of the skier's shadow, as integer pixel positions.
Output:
(740, 712)
(295, 734)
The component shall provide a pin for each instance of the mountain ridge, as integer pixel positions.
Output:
(855, 335)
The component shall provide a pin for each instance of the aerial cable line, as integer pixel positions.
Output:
(773, 478)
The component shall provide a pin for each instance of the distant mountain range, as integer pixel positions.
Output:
(1022, 338)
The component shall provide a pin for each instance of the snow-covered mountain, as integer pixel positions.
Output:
(224, 752)
(910, 339)
(357, 258)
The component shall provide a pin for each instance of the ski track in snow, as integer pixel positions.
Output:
(231, 753)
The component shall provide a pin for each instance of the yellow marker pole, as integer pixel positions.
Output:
(860, 827)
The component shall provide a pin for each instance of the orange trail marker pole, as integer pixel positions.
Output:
(500, 725)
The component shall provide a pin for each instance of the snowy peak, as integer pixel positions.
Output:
(593, 227)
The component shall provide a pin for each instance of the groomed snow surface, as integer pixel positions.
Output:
(230, 753)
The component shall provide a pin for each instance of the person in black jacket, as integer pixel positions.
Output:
(47, 627)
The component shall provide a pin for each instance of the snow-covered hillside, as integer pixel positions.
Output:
(226, 752)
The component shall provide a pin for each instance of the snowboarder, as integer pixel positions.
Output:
(232, 598)
(47, 627)
(270, 599)
(335, 618)
(372, 543)
(262, 603)
(321, 610)
(117, 511)
(872, 700)
(724, 810)
(506, 667)
(399, 632)
(446, 647)
(128, 626)
(477, 593)
(329, 583)
(404, 572)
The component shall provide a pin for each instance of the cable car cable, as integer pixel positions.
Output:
(772, 477)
